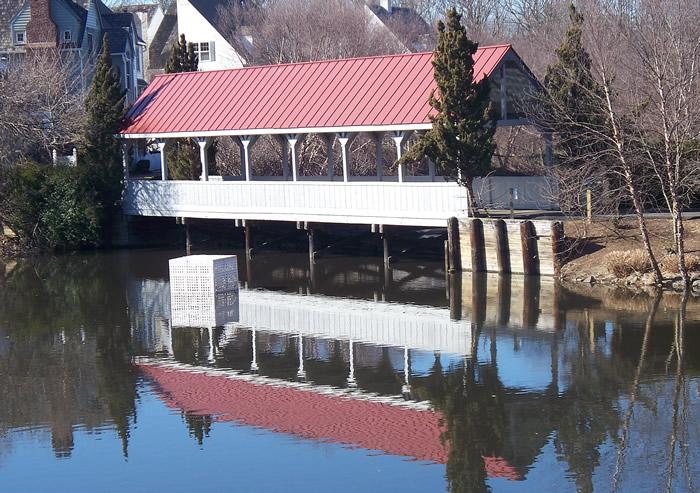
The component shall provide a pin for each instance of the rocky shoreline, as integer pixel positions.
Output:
(638, 282)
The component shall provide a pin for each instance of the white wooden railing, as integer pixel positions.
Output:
(408, 203)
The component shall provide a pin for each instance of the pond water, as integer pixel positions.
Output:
(347, 378)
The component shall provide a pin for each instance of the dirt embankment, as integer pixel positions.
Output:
(592, 247)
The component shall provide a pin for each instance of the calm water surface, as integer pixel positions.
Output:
(346, 378)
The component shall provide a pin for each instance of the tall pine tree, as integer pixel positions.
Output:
(572, 99)
(100, 150)
(182, 155)
(460, 142)
(182, 58)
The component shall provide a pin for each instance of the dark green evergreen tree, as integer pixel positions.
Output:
(182, 155)
(100, 150)
(460, 143)
(572, 98)
(182, 58)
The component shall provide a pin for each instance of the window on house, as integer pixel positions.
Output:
(90, 44)
(20, 37)
(203, 51)
(128, 75)
(67, 36)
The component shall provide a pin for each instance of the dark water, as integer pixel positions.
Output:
(347, 378)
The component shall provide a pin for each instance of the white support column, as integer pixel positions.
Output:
(170, 348)
(352, 383)
(254, 362)
(212, 349)
(301, 372)
(329, 139)
(163, 163)
(406, 387)
(378, 138)
(204, 144)
(126, 146)
(294, 141)
(246, 143)
(345, 140)
(400, 137)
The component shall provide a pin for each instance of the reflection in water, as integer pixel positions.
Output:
(497, 378)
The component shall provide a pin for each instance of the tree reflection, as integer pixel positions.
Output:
(198, 425)
(70, 357)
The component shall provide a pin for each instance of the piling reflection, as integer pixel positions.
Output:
(499, 376)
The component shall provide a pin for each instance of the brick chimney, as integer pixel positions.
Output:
(386, 5)
(41, 29)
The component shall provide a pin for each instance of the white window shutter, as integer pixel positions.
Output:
(212, 51)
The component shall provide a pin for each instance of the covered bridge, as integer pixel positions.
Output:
(337, 100)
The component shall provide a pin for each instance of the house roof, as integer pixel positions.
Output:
(119, 19)
(118, 40)
(210, 11)
(165, 36)
(376, 91)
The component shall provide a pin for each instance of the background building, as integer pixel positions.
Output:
(76, 30)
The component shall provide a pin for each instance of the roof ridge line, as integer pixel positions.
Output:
(345, 59)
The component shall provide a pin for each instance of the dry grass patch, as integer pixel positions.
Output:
(670, 263)
(622, 264)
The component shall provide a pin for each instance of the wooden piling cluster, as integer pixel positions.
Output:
(507, 301)
(530, 247)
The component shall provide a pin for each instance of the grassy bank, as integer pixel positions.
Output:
(608, 251)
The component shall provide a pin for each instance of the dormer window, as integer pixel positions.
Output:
(21, 37)
(67, 36)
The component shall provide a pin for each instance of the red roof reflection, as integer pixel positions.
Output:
(391, 429)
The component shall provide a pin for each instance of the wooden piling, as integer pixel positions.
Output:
(446, 248)
(188, 237)
(455, 259)
(385, 249)
(528, 239)
(479, 298)
(312, 252)
(247, 234)
(476, 232)
(502, 250)
(557, 246)
(531, 301)
(505, 294)
(454, 286)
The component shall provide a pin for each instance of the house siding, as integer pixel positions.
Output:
(65, 20)
(21, 20)
(197, 29)
(92, 21)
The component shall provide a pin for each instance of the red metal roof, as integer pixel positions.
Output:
(354, 92)
(370, 425)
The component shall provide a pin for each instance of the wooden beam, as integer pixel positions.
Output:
(455, 258)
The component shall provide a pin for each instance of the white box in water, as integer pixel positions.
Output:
(203, 290)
